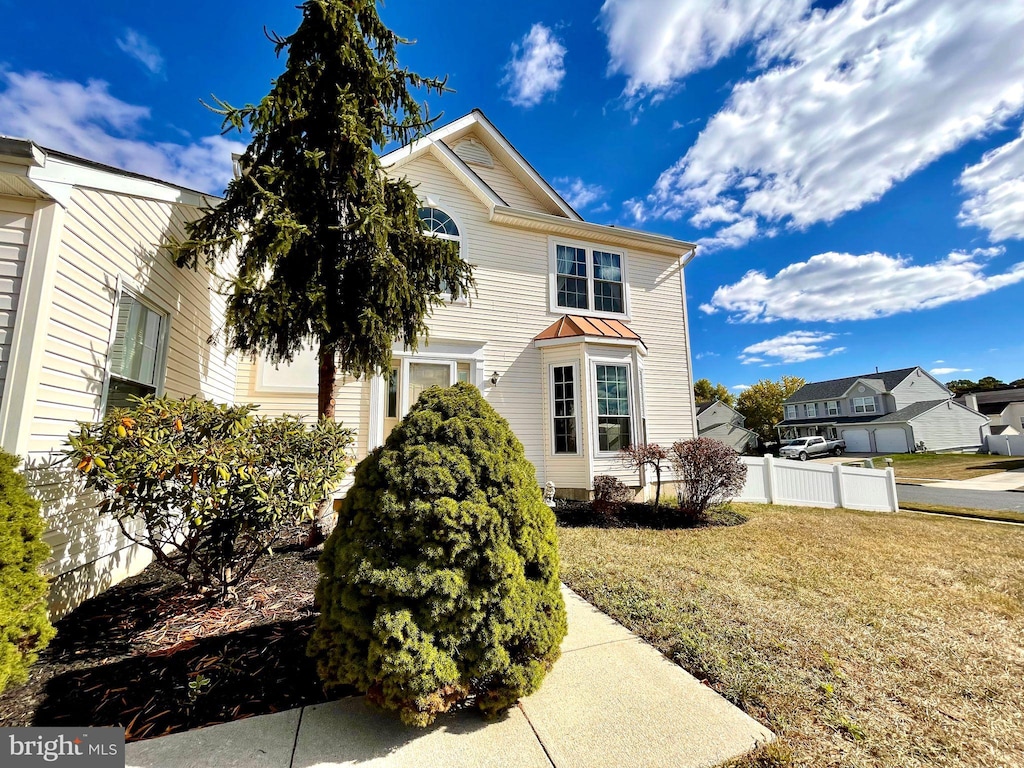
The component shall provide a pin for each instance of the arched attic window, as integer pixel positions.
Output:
(439, 224)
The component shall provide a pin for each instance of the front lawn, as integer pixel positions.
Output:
(949, 466)
(861, 638)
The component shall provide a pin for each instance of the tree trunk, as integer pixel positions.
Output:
(324, 519)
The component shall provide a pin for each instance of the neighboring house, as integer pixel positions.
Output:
(577, 332)
(716, 419)
(1004, 408)
(91, 311)
(887, 412)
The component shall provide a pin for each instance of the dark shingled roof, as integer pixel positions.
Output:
(836, 388)
(993, 401)
(703, 405)
(903, 414)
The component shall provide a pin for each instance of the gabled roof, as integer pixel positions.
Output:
(835, 388)
(570, 326)
(993, 401)
(703, 405)
(912, 411)
(476, 122)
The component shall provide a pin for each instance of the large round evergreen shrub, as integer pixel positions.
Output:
(439, 585)
(24, 624)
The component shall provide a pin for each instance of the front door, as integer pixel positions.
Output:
(409, 378)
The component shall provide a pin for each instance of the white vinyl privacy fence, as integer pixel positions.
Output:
(783, 481)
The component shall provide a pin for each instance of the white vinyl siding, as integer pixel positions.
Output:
(510, 306)
(947, 426)
(15, 229)
(109, 237)
(917, 387)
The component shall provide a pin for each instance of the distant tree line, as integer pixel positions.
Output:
(964, 386)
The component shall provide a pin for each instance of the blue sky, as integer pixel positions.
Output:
(853, 171)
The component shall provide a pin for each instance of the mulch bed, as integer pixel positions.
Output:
(137, 655)
(576, 514)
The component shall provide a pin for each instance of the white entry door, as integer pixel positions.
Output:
(409, 378)
(891, 440)
(857, 440)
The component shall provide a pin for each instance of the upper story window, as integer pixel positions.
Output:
(439, 224)
(790, 411)
(138, 353)
(833, 407)
(812, 410)
(589, 279)
(863, 405)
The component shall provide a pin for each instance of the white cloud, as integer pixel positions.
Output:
(702, 355)
(996, 189)
(656, 43)
(739, 387)
(139, 48)
(944, 371)
(939, 362)
(89, 121)
(536, 69)
(577, 193)
(841, 286)
(845, 104)
(793, 347)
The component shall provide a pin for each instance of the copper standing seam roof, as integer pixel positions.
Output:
(568, 326)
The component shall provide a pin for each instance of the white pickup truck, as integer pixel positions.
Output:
(804, 448)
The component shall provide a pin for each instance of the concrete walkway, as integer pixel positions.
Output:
(997, 481)
(611, 701)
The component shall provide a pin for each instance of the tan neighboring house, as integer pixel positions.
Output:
(91, 311)
(717, 420)
(577, 332)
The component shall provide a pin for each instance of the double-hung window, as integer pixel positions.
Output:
(832, 406)
(589, 279)
(138, 352)
(614, 422)
(812, 410)
(863, 405)
(563, 409)
(790, 411)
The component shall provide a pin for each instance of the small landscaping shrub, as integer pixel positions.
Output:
(24, 624)
(207, 487)
(650, 455)
(439, 584)
(610, 497)
(710, 474)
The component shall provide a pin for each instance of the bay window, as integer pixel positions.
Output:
(564, 411)
(614, 420)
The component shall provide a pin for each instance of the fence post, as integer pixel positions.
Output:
(769, 478)
(890, 476)
(838, 475)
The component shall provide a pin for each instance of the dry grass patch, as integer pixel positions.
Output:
(862, 639)
(950, 466)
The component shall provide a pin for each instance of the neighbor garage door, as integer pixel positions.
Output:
(856, 440)
(891, 440)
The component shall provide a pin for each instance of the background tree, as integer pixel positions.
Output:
(961, 386)
(330, 251)
(704, 390)
(1016, 383)
(761, 404)
(990, 382)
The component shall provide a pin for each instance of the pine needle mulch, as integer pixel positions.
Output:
(150, 657)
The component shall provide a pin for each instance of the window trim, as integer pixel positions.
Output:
(430, 202)
(790, 412)
(830, 410)
(575, 366)
(630, 399)
(811, 410)
(124, 286)
(864, 402)
(589, 247)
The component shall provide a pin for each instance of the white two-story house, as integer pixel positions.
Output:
(717, 420)
(883, 412)
(577, 332)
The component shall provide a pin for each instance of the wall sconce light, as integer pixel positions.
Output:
(494, 379)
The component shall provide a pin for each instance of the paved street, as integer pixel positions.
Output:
(961, 498)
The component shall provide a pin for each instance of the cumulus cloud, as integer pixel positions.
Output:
(536, 69)
(139, 48)
(945, 371)
(89, 121)
(995, 187)
(832, 286)
(578, 193)
(842, 105)
(793, 347)
(656, 43)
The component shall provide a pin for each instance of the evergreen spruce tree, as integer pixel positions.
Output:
(330, 251)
